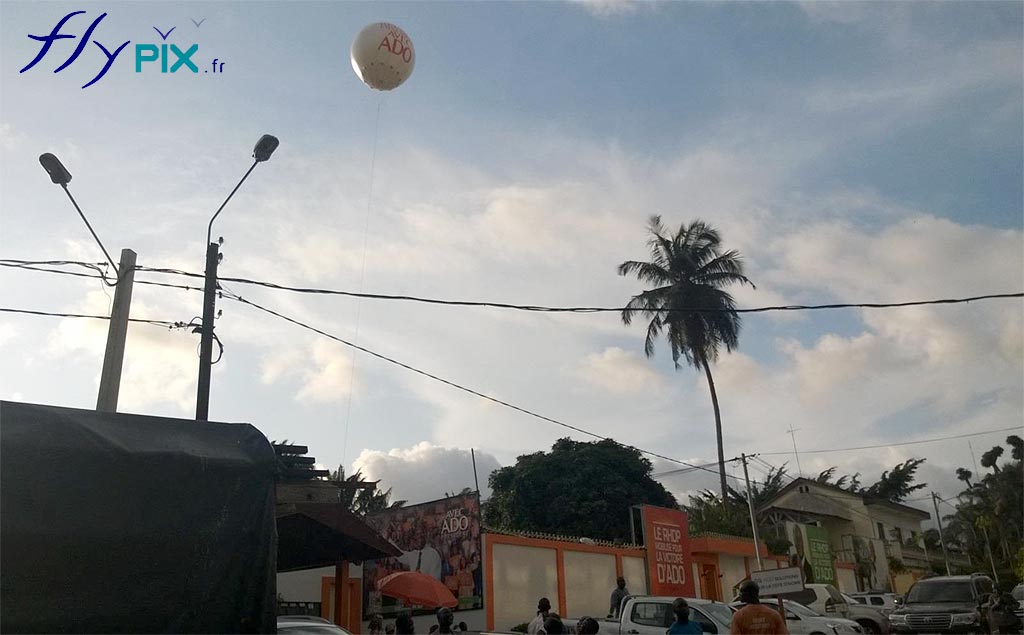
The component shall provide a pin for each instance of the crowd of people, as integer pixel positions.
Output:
(753, 618)
(440, 539)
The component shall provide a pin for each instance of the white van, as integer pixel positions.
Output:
(823, 599)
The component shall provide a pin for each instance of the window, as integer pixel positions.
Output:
(899, 535)
(706, 625)
(881, 531)
(651, 614)
(877, 601)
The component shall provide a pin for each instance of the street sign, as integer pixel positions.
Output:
(776, 581)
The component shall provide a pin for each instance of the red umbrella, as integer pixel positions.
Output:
(413, 587)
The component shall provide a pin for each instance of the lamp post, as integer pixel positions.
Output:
(117, 330)
(264, 148)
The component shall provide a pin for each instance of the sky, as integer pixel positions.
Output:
(851, 152)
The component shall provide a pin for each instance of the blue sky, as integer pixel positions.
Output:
(854, 151)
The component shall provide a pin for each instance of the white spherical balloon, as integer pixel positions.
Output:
(383, 56)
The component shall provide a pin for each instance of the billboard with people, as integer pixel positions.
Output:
(440, 539)
(811, 552)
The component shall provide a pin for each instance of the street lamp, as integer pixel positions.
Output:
(60, 176)
(120, 308)
(264, 148)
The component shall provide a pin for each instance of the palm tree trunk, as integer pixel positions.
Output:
(718, 431)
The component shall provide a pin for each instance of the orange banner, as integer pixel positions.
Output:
(667, 540)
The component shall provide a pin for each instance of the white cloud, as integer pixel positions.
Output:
(425, 471)
(328, 375)
(160, 365)
(610, 8)
(620, 372)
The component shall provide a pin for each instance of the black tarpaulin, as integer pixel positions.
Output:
(128, 523)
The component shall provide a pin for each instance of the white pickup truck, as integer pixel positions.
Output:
(650, 615)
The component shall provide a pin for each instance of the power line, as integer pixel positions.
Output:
(238, 298)
(684, 470)
(888, 445)
(532, 307)
(163, 323)
(584, 309)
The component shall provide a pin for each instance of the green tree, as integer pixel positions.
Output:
(896, 484)
(688, 302)
(359, 499)
(579, 488)
(991, 504)
(708, 514)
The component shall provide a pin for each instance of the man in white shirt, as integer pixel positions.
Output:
(543, 608)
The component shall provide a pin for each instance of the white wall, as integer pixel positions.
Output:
(635, 572)
(302, 586)
(846, 580)
(589, 580)
(733, 571)
(522, 575)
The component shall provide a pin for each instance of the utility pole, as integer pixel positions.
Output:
(117, 333)
(264, 148)
(206, 332)
(476, 481)
(792, 433)
(753, 516)
(942, 541)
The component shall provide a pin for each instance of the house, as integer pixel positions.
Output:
(869, 541)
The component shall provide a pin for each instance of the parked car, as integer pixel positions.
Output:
(947, 604)
(307, 625)
(870, 619)
(801, 620)
(650, 615)
(884, 602)
(823, 599)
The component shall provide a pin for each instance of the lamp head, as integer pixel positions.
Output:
(58, 173)
(264, 148)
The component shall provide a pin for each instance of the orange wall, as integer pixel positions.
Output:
(560, 547)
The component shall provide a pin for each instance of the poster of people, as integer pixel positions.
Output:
(440, 539)
(811, 552)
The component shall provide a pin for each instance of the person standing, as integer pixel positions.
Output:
(543, 609)
(683, 625)
(404, 625)
(445, 618)
(619, 593)
(755, 618)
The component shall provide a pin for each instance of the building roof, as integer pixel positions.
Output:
(321, 534)
(822, 505)
(900, 507)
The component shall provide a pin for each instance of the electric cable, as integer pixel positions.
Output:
(588, 309)
(237, 298)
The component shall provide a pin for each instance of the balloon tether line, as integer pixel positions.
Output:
(362, 277)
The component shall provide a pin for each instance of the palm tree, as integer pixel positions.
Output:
(688, 302)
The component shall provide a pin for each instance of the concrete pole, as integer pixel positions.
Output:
(117, 334)
(938, 521)
(206, 335)
(753, 516)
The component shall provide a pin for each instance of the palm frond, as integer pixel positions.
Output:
(645, 272)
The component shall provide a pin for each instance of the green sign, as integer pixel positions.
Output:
(820, 555)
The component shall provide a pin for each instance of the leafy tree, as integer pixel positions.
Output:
(689, 271)
(774, 481)
(990, 510)
(707, 513)
(362, 500)
(579, 488)
(990, 459)
(895, 485)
